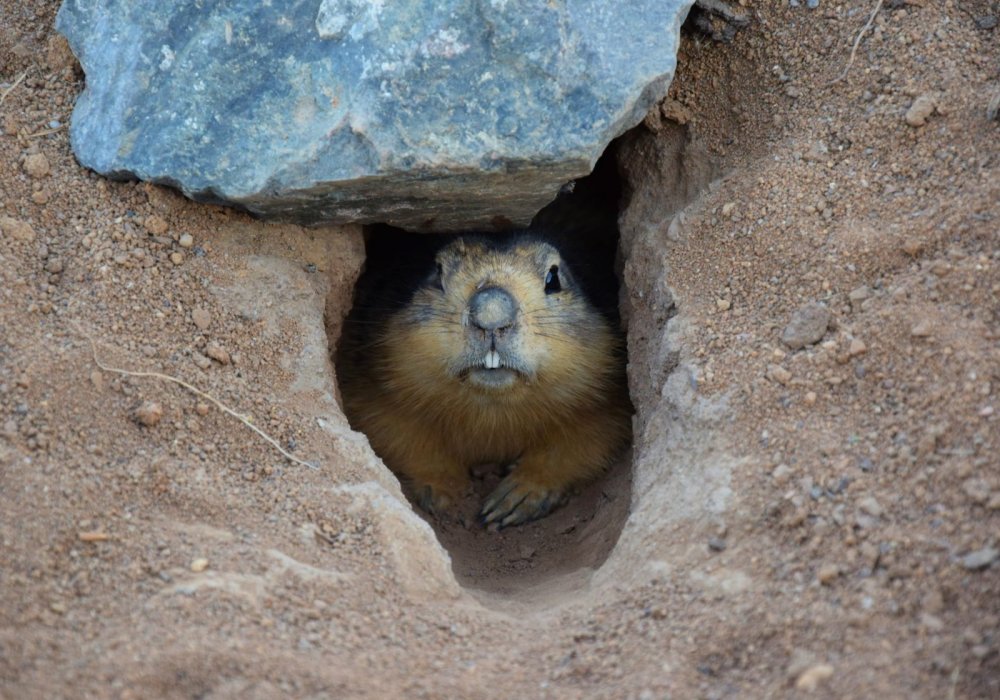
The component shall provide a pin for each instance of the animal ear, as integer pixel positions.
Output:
(437, 281)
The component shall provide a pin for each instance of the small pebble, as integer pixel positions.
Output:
(807, 326)
(980, 559)
(202, 319)
(859, 295)
(40, 197)
(217, 353)
(92, 536)
(18, 230)
(810, 398)
(149, 413)
(810, 679)
(728, 208)
(723, 304)
(779, 374)
(201, 408)
(923, 329)
(54, 265)
(200, 360)
(781, 473)
(716, 544)
(827, 574)
(913, 246)
(857, 347)
(177, 258)
(869, 505)
(186, 240)
(921, 108)
(155, 225)
(199, 565)
(36, 165)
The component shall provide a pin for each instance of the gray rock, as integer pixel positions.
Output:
(981, 558)
(808, 326)
(429, 115)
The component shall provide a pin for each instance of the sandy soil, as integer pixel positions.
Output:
(152, 546)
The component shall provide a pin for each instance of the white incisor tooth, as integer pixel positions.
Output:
(492, 360)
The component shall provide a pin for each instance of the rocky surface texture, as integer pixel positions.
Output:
(811, 523)
(426, 115)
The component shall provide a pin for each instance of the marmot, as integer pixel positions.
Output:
(485, 349)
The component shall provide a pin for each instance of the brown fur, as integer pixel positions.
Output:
(412, 388)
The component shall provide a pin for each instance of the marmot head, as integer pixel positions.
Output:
(504, 317)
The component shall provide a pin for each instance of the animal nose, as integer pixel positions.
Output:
(492, 309)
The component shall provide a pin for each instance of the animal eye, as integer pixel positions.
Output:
(552, 280)
(438, 281)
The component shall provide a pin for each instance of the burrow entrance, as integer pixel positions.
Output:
(555, 554)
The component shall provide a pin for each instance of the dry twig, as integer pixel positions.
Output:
(46, 132)
(857, 42)
(198, 392)
(3, 95)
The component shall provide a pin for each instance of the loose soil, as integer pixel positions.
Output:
(152, 546)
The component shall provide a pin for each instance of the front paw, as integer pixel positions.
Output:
(516, 501)
(436, 499)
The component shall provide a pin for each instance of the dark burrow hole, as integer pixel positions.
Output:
(577, 537)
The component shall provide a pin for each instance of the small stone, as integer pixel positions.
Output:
(40, 197)
(921, 108)
(97, 379)
(723, 304)
(810, 679)
(186, 240)
(202, 319)
(994, 501)
(155, 225)
(199, 565)
(777, 373)
(177, 257)
(913, 247)
(57, 607)
(36, 165)
(922, 329)
(728, 208)
(200, 360)
(978, 490)
(149, 413)
(201, 408)
(980, 559)
(54, 265)
(716, 544)
(18, 230)
(828, 573)
(807, 326)
(810, 398)
(858, 296)
(872, 507)
(781, 473)
(217, 353)
(857, 347)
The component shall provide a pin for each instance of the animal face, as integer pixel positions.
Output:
(499, 317)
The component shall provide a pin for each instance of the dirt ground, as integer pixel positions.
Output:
(821, 521)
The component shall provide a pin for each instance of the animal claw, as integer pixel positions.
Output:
(514, 502)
